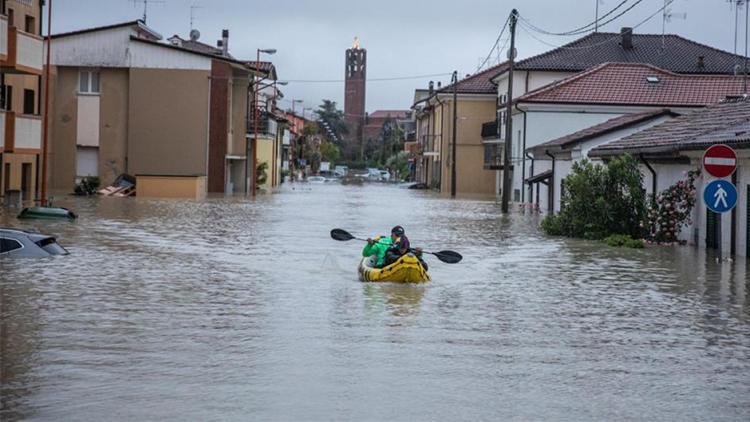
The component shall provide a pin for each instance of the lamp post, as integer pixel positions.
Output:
(256, 114)
(293, 148)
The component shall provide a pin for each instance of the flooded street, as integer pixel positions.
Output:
(229, 309)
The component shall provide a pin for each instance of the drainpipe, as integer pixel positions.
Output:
(551, 185)
(531, 173)
(523, 153)
(653, 178)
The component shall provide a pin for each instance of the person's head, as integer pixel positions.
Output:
(396, 233)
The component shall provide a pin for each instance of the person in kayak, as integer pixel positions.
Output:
(401, 246)
(377, 247)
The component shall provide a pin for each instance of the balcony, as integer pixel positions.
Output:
(493, 156)
(267, 126)
(3, 38)
(430, 145)
(24, 52)
(490, 134)
(20, 133)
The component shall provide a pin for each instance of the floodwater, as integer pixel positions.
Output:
(229, 309)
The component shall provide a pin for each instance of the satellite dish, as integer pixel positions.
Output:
(194, 34)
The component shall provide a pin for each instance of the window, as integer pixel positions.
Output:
(8, 245)
(30, 25)
(88, 82)
(29, 103)
(6, 97)
(11, 18)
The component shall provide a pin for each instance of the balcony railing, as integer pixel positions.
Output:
(493, 156)
(266, 124)
(24, 53)
(20, 133)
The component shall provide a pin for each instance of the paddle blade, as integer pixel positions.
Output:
(449, 257)
(339, 234)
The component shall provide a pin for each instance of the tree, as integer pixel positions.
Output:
(598, 201)
(671, 210)
(329, 114)
(330, 152)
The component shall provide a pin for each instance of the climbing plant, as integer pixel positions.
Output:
(671, 210)
(261, 173)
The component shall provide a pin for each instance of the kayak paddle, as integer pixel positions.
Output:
(449, 257)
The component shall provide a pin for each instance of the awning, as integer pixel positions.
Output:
(541, 177)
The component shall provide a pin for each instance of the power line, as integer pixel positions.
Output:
(497, 41)
(613, 38)
(576, 31)
(540, 30)
(395, 78)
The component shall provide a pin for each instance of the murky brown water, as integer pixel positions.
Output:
(234, 310)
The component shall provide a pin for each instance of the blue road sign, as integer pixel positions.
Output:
(720, 196)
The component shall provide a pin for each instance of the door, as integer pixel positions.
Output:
(87, 163)
(26, 181)
(713, 230)
(6, 178)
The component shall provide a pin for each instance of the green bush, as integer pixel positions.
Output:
(598, 201)
(622, 240)
(87, 186)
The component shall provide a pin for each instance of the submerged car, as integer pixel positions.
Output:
(26, 244)
(316, 179)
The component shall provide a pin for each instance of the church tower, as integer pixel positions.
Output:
(354, 99)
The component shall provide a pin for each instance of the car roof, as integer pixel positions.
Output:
(34, 236)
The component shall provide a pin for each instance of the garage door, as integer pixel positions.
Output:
(87, 162)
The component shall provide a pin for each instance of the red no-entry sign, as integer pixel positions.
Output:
(719, 160)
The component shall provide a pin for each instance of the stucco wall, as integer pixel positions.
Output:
(168, 112)
(63, 122)
(113, 124)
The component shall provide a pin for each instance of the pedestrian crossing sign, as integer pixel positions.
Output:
(720, 196)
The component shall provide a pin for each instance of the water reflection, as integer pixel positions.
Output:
(225, 308)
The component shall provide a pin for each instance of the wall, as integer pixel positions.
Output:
(221, 76)
(168, 132)
(63, 132)
(193, 187)
(16, 162)
(265, 155)
(471, 177)
(113, 124)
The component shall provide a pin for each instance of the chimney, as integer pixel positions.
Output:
(440, 84)
(627, 38)
(218, 44)
(225, 42)
(701, 62)
(431, 87)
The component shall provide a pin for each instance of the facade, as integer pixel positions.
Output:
(433, 114)
(120, 105)
(596, 97)
(676, 146)
(354, 99)
(21, 67)
(671, 53)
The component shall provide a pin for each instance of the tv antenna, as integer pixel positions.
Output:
(668, 15)
(737, 6)
(192, 15)
(145, 6)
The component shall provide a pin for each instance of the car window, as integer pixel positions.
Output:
(51, 246)
(8, 245)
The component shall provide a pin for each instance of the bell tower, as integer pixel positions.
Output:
(354, 98)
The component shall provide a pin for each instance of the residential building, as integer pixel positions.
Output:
(174, 116)
(433, 113)
(669, 52)
(676, 146)
(597, 97)
(21, 66)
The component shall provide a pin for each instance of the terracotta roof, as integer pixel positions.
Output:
(671, 52)
(611, 125)
(725, 122)
(396, 114)
(478, 83)
(634, 84)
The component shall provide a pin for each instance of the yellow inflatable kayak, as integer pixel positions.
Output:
(406, 270)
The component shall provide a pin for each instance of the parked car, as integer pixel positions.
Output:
(373, 174)
(385, 176)
(316, 179)
(26, 244)
(341, 171)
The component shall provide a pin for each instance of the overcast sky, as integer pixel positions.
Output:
(402, 37)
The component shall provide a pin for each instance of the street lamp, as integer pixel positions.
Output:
(256, 114)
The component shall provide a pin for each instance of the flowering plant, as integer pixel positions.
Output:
(671, 210)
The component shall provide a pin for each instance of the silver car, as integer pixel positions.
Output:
(17, 243)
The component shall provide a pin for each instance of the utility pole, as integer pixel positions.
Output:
(744, 83)
(508, 119)
(454, 81)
